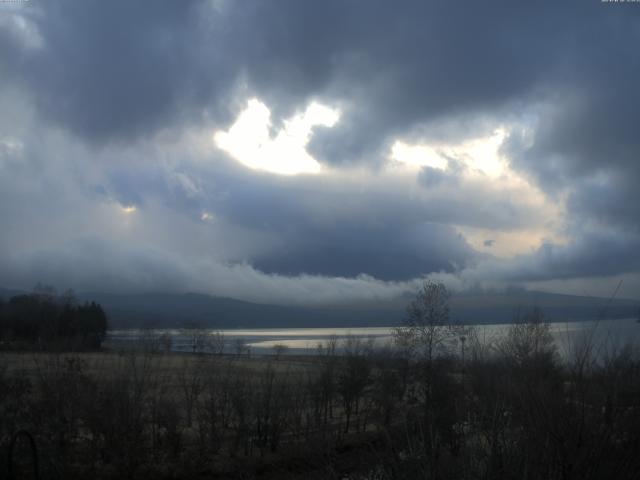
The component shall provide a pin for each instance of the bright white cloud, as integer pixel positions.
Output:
(483, 154)
(480, 155)
(249, 141)
(418, 155)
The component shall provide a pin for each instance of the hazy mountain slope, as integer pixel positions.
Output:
(180, 310)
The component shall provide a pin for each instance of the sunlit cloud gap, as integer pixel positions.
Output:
(479, 154)
(248, 139)
(479, 163)
(128, 209)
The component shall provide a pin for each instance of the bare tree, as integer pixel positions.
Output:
(279, 349)
(166, 342)
(354, 376)
(217, 342)
(199, 340)
(427, 328)
(529, 339)
(326, 381)
(427, 331)
(240, 346)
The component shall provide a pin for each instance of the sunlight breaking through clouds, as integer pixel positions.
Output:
(418, 155)
(479, 154)
(128, 209)
(249, 141)
(510, 243)
(452, 146)
(479, 163)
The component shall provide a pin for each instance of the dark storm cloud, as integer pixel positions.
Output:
(118, 69)
(586, 141)
(383, 251)
(357, 224)
(591, 254)
(323, 227)
(121, 72)
(393, 67)
(110, 69)
(282, 203)
(613, 200)
(342, 224)
(397, 65)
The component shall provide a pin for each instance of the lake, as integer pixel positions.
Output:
(606, 334)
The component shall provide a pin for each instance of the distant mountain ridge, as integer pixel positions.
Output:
(165, 310)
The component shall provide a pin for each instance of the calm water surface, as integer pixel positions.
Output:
(605, 334)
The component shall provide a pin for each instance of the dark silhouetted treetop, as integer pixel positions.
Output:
(46, 320)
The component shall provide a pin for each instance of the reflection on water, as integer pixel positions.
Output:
(608, 334)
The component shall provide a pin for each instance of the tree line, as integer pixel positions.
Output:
(44, 320)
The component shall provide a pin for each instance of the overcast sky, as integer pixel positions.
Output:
(320, 151)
